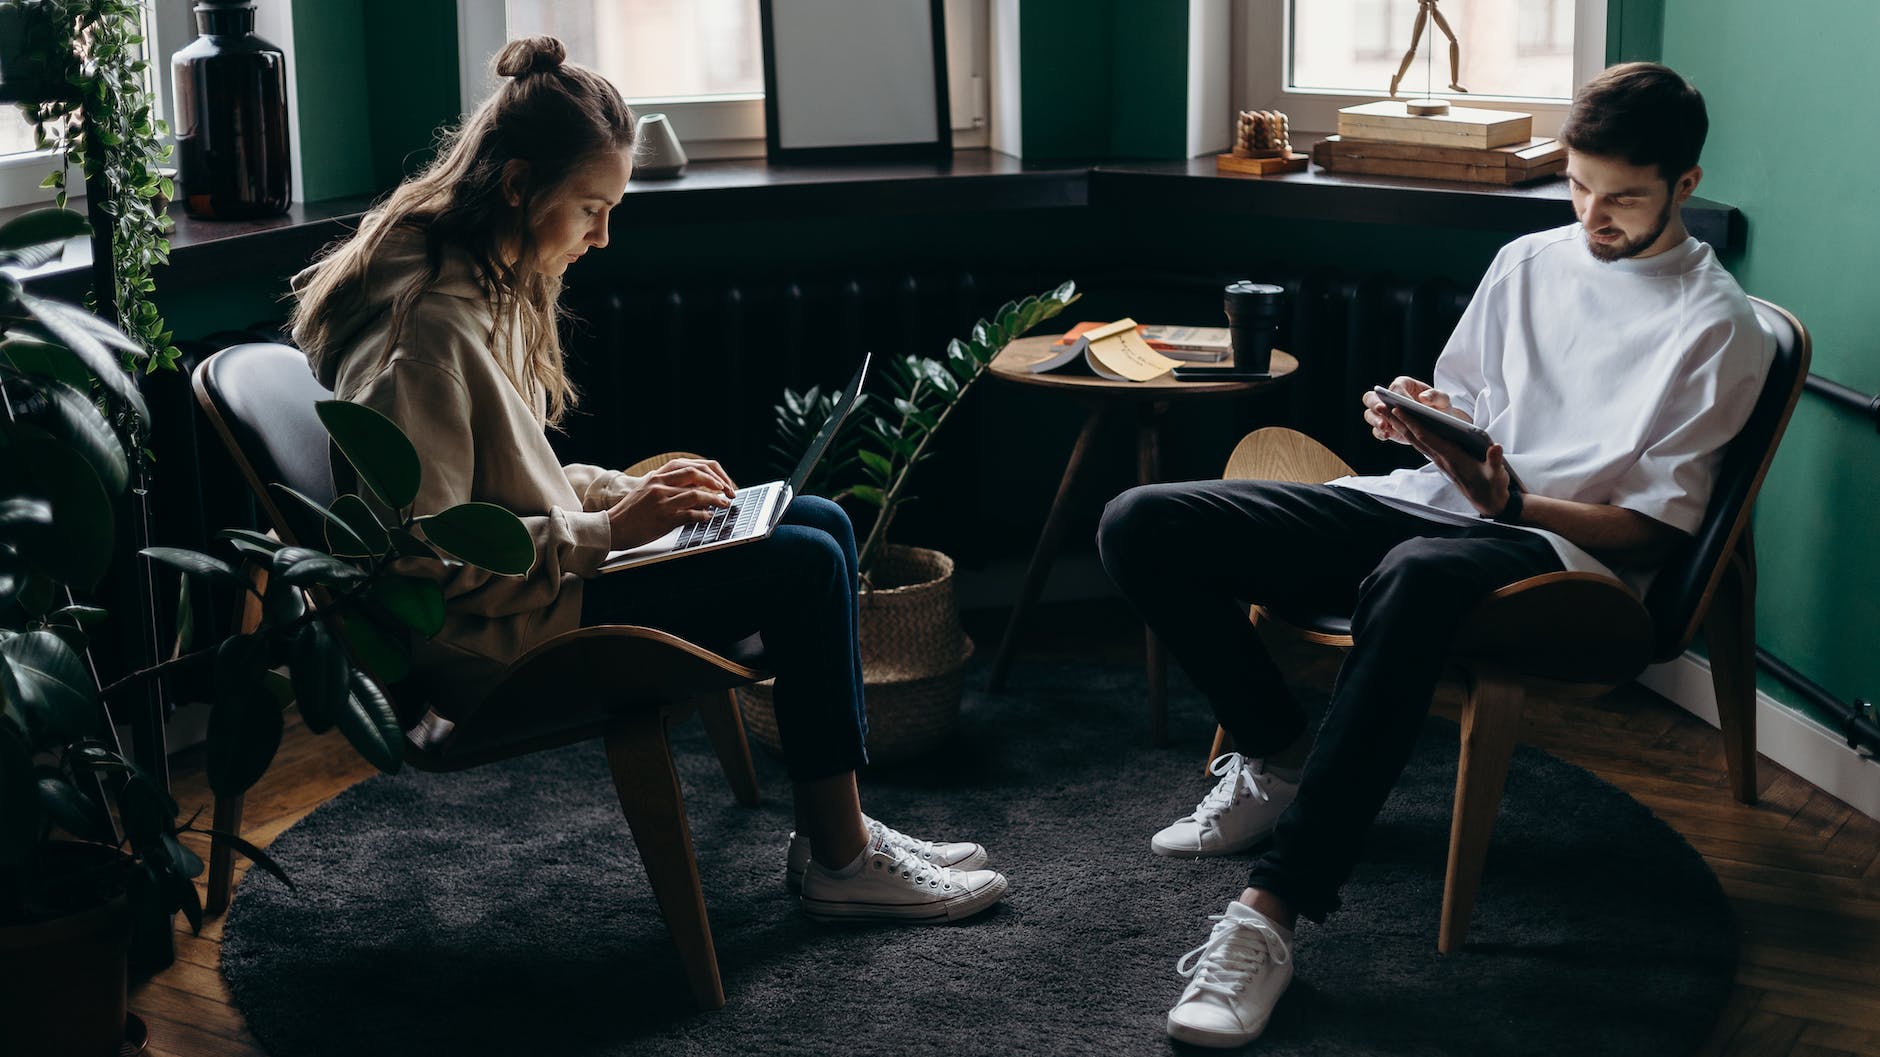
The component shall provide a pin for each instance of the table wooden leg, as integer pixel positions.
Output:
(1046, 551)
(1148, 471)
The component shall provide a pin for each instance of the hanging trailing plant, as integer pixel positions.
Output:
(89, 102)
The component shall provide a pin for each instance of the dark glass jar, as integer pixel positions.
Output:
(231, 117)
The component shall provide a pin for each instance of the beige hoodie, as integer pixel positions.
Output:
(478, 438)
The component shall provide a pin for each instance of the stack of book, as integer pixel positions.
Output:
(1474, 146)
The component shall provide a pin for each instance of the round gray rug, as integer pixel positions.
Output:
(504, 911)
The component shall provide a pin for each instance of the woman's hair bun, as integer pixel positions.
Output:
(519, 58)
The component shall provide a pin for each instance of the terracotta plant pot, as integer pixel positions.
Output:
(66, 978)
(913, 653)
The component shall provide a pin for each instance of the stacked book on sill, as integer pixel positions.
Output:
(1469, 145)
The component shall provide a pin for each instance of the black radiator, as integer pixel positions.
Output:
(697, 367)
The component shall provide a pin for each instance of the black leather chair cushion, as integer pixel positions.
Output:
(272, 385)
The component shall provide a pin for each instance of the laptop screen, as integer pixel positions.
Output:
(844, 403)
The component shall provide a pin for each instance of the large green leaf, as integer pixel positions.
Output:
(78, 549)
(385, 655)
(42, 227)
(193, 562)
(322, 674)
(483, 534)
(361, 523)
(377, 449)
(418, 603)
(41, 359)
(339, 534)
(71, 810)
(298, 565)
(148, 810)
(55, 688)
(67, 327)
(185, 860)
(17, 512)
(370, 724)
(244, 720)
(254, 854)
(283, 603)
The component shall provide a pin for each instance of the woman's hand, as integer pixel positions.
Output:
(678, 493)
(1384, 424)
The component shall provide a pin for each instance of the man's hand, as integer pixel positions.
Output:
(1483, 482)
(1383, 427)
(680, 492)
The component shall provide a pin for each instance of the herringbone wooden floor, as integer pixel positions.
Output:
(1801, 868)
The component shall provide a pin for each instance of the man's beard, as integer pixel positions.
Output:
(1619, 251)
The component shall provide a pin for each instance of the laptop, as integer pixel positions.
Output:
(754, 512)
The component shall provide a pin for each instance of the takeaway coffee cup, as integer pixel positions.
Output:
(1253, 319)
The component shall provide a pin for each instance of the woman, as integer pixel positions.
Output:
(441, 313)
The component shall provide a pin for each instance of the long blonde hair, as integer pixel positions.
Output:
(551, 115)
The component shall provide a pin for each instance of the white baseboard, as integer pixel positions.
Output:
(1786, 736)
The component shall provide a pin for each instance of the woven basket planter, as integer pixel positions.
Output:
(913, 653)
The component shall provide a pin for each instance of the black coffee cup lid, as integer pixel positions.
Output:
(1248, 288)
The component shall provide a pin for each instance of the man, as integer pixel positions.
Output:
(1610, 359)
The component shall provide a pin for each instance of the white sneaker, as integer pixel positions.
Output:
(1234, 981)
(889, 883)
(957, 855)
(1238, 813)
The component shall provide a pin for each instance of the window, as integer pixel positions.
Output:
(1311, 57)
(700, 62)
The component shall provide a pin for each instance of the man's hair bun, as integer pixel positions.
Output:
(519, 58)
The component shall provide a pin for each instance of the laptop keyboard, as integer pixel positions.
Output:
(734, 520)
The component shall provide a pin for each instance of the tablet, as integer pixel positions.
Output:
(1470, 438)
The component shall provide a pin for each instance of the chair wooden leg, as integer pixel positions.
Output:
(1491, 719)
(1223, 742)
(228, 819)
(641, 760)
(1156, 666)
(1730, 632)
(726, 729)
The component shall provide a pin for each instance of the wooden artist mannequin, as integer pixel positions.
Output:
(1426, 10)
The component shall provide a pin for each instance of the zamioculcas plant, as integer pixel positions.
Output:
(897, 430)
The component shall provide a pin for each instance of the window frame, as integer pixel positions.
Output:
(1261, 69)
(732, 126)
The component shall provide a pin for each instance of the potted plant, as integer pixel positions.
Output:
(91, 853)
(913, 651)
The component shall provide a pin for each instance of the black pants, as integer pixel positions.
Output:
(1189, 556)
(795, 588)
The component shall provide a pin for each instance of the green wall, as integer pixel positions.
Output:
(375, 82)
(1780, 82)
(1103, 78)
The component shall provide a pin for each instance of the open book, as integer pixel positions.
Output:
(1117, 351)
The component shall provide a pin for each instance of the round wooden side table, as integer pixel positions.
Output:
(1104, 398)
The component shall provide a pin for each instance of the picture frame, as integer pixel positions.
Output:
(855, 80)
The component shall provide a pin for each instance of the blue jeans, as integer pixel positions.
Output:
(797, 589)
(1190, 556)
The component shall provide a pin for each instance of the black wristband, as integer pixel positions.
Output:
(1511, 513)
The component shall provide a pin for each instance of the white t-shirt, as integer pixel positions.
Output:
(1604, 382)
